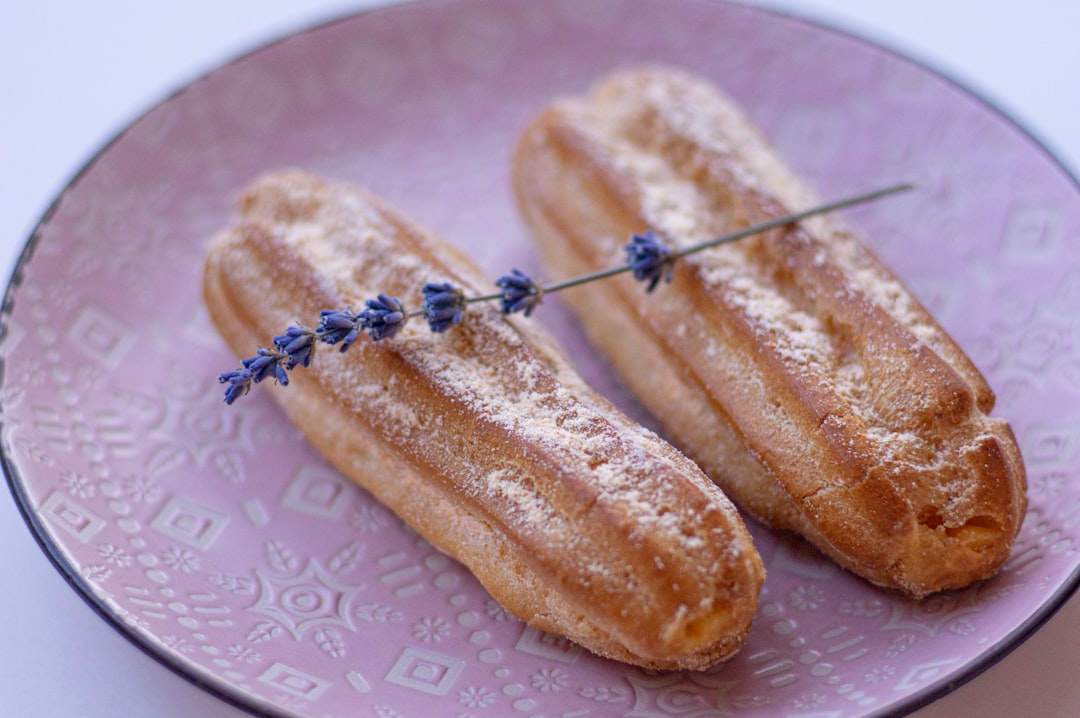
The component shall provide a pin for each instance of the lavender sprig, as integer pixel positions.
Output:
(444, 305)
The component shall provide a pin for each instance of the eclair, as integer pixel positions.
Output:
(483, 439)
(793, 366)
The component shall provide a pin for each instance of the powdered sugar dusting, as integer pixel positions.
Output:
(840, 385)
(682, 147)
(493, 371)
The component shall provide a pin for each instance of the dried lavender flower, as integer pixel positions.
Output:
(298, 344)
(444, 305)
(649, 259)
(239, 383)
(383, 317)
(339, 325)
(266, 363)
(520, 293)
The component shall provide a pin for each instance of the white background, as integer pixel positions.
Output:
(73, 74)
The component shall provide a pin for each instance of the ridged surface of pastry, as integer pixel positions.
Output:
(792, 366)
(482, 438)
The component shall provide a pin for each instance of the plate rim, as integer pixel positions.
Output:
(249, 703)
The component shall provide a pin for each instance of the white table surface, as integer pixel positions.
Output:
(73, 74)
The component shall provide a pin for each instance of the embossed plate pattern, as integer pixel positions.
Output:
(217, 540)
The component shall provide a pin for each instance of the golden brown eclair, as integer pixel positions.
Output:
(792, 366)
(483, 439)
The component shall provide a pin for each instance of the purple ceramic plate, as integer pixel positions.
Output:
(217, 540)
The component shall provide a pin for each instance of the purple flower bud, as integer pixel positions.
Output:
(444, 305)
(384, 317)
(338, 325)
(520, 293)
(649, 258)
(239, 383)
(264, 364)
(297, 343)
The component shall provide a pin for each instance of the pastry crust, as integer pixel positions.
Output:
(792, 366)
(483, 439)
